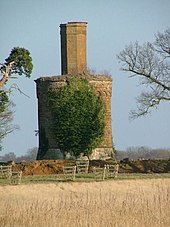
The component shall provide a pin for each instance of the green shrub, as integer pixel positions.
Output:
(78, 116)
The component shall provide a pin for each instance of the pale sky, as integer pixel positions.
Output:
(112, 24)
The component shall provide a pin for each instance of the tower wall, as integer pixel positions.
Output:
(103, 87)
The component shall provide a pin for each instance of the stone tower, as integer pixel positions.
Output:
(73, 62)
(73, 47)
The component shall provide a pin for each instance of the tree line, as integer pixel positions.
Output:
(30, 155)
(135, 153)
(132, 153)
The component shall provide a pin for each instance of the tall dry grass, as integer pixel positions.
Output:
(128, 203)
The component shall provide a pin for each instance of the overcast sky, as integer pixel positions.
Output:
(112, 24)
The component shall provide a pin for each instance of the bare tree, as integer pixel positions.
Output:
(32, 154)
(29, 156)
(6, 118)
(151, 63)
(135, 153)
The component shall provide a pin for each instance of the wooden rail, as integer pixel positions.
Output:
(69, 172)
(16, 177)
(82, 166)
(111, 170)
(99, 173)
(5, 171)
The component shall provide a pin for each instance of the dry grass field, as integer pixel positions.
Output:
(121, 203)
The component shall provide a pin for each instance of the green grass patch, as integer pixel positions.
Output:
(52, 178)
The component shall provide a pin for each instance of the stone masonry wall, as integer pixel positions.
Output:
(102, 85)
(73, 47)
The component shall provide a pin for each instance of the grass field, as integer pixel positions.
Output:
(54, 178)
(111, 203)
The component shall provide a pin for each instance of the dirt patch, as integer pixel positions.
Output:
(126, 166)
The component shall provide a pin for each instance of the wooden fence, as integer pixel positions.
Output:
(99, 173)
(69, 172)
(7, 173)
(111, 171)
(82, 166)
(16, 177)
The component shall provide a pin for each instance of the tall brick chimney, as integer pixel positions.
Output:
(73, 48)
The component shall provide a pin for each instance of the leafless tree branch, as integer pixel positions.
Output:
(150, 62)
(6, 118)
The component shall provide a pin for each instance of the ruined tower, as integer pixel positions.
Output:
(73, 62)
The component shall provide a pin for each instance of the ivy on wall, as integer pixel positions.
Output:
(78, 116)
